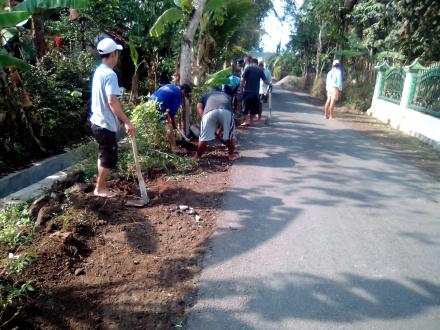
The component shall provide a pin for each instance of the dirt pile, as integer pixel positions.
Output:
(103, 265)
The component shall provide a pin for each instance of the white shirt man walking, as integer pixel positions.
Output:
(106, 112)
(334, 89)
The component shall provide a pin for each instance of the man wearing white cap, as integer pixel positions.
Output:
(106, 113)
(334, 89)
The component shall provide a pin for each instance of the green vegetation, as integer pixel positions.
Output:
(360, 32)
(16, 229)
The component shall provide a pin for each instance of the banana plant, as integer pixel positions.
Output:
(37, 8)
(10, 20)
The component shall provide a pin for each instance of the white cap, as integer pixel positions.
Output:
(107, 46)
(336, 62)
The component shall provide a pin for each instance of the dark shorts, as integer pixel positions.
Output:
(108, 148)
(251, 103)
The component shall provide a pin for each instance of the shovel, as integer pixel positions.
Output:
(268, 120)
(144, 196)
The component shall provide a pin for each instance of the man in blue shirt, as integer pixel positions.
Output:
(169, 98)
(334, 88)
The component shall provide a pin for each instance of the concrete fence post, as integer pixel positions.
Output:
(410, 84)
(381, 69)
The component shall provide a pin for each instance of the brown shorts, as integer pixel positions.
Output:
(333, 93)
(108, 148)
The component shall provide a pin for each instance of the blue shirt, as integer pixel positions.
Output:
(169, 97)
(334, 79)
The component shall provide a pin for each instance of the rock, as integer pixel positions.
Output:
(191, 211)
(57, 197)
(37, 205)
(101, 222)
(66, 237)
(136, 262)
(77, 187)
(198, 218)
(183, 207)
(79, 271)
(46, 213)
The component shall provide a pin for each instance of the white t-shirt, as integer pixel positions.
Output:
(263, 86)
(105, 83)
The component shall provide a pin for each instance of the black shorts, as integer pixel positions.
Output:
(251, 103)
(108, 148)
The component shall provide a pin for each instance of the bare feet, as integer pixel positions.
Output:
(234, 156)
(104, 193)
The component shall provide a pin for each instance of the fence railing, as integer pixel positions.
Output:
(416, 87)
(392, 85)
(424, 95)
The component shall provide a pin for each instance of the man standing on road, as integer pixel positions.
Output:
(215, 108)
(264, 88)
(106, 113)
(251, 87)
(334, 89)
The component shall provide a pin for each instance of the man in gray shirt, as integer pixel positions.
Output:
(106, 113)
(215, 108)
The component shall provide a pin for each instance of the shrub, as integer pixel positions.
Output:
(358, 95)
(154, 150)
(59, 88)
(16, 226)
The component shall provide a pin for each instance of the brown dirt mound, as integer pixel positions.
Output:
(102, 265)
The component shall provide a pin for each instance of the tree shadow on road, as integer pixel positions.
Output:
(284, 297)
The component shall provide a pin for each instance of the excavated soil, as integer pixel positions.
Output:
(104, 265)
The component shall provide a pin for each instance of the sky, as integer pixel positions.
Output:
(276, 32)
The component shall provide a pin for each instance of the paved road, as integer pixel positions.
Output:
(322, 229)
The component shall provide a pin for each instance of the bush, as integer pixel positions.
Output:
(16, 227)
(318, 88)
(154, 149)
(59, 88)
(358, 95)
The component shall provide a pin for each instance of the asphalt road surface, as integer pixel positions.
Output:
(321, 229)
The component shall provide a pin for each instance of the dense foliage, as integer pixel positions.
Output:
(360, 32)
(45, 108)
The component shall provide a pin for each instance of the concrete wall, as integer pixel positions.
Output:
(399, 116)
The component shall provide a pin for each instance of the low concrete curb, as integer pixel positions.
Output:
(41, 170)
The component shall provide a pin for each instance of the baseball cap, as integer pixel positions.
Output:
(107, 46)
(336, 62)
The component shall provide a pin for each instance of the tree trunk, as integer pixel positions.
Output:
(134, 95)
(318, 54)
(186, 57)
(38, 35)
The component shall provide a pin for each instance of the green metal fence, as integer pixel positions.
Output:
(425, 92)
(392, 85)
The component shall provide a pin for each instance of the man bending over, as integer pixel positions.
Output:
(215, 108)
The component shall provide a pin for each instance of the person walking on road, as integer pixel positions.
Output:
(334, 89)
(251, 88)
(106, 113)
(215, 109)
(264, 88)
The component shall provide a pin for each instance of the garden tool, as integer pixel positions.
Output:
(170, 122)
(144, 196)
(269, 91)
